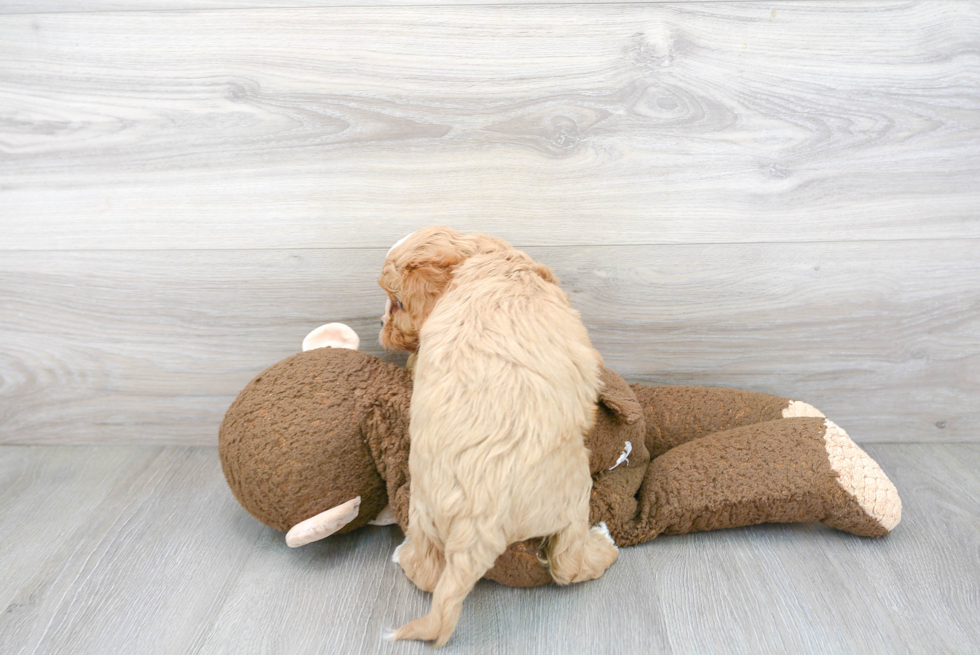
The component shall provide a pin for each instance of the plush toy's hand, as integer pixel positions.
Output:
(386, 517)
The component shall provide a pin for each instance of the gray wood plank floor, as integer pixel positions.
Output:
(143, 549)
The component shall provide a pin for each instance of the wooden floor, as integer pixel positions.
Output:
(143, 549)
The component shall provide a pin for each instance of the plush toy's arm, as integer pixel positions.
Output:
(787, 470)
(618, 456)
(677, 414)
(386, 433)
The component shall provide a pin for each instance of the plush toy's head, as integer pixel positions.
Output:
(292, 444)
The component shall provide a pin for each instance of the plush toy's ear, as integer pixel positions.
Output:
(618, 397)
(323, 524)
(331, 335)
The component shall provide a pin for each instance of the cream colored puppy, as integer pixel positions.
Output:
(506, 381)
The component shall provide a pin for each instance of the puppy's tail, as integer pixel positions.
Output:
(464, 568)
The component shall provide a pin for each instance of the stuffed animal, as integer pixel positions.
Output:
(318, 444)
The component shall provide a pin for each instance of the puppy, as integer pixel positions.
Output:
(506, 382)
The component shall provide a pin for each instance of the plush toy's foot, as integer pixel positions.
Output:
(800, 409)
(868, 504)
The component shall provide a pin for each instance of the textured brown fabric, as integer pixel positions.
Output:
(324, 426)
(619, 418)
(774, 472)
(295, 442)
(520, 566)
(676, 414)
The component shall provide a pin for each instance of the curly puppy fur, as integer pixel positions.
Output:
(506, 382)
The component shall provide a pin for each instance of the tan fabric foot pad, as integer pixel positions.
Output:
(864, 482)
(798, 408)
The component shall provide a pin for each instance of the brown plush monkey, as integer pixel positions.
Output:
(318, 444)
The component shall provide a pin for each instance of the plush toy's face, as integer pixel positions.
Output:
(291, 444)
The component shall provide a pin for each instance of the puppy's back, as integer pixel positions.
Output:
(505, 387)
(505, 384)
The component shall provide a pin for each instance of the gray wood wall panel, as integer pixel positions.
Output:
(165, 561)
(151, 347)
(59, 6)
(776, 196)
(547, 124)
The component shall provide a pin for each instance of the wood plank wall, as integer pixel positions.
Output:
(778, 196)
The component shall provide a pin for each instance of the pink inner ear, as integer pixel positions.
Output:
(331, 335)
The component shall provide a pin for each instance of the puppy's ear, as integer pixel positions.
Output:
(425, 279)
(546, 273)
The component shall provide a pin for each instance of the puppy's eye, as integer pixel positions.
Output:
(398, 304)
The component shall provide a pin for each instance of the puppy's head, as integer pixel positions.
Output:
(417, 272)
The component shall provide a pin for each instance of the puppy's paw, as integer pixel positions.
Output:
(423, 568)
(600, 553)
(587, 559)
(396, 556)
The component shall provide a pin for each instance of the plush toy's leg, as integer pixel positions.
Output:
(466, 562)
(787, 470)
(677, 414)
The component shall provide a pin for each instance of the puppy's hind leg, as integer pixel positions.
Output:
(420, 558)
(577, 553)
(464, 568)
